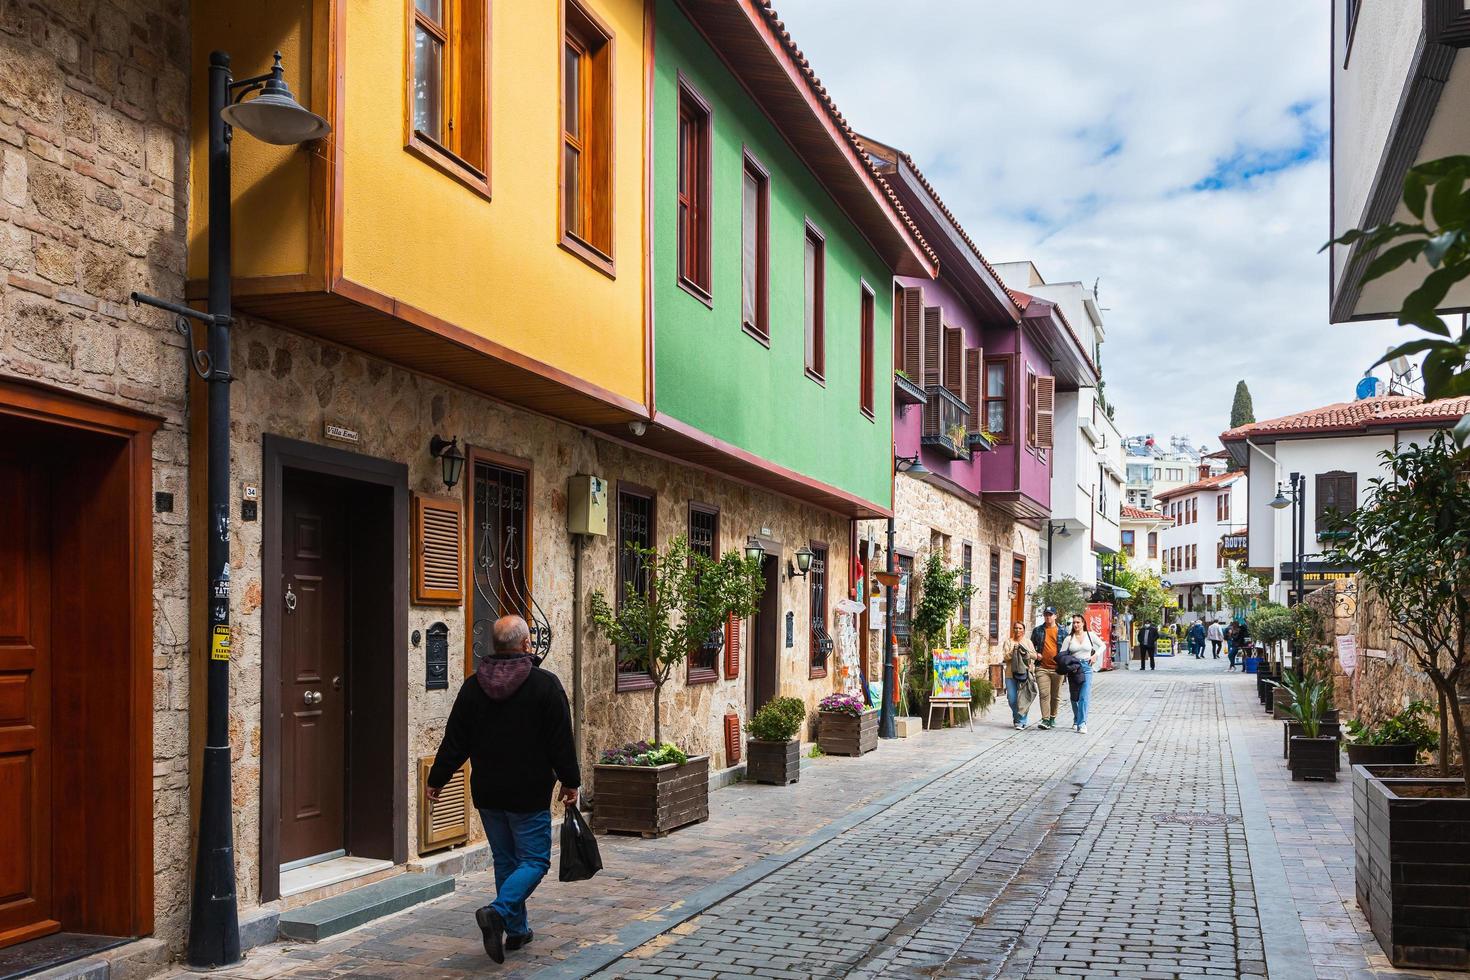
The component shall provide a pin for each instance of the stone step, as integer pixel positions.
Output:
(331, 916)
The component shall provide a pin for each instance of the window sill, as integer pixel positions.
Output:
(633, 682)
(697, 291)
(448, 164)
(589, 254)
(817, 673)
(818, 378)
(868, 414)
(762, 338)
(702, 675)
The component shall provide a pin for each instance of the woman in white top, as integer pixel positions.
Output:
(1087, 647)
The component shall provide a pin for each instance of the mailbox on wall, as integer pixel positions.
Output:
(436, 658)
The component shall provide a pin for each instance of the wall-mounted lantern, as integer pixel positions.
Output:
(803, 564)
(753, 550)
(450, 457)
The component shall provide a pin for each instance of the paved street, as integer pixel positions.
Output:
(1169, 842)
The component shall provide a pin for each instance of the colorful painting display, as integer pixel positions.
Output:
(951, 675)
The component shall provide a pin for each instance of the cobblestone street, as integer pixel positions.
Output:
(1169, 842)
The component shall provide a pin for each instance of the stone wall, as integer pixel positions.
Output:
(93, 97)
(290, 385)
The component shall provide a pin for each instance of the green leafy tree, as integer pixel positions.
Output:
(1147, 597)
(681, 598)
(1436, 196)
(1240, 590)
(1064, 593)
(1242, 412)
(1410, 542)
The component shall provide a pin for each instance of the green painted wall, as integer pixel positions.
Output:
(711, 374)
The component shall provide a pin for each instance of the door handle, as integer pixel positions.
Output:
(290, 599)
(312, 697)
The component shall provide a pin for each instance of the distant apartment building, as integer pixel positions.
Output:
(1193, 546)
(1155, 466)
(1141, 530)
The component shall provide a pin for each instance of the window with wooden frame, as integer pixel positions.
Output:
(967, 561)
(821, 642)
(1030, 407)
(867, 352)
(1337, 494)
(587, 137)
(993, 609)
(814, 266)
(755, 241)
(694, 192)
(1129, 548)
(704, 539)
(998, 397)
(1042, 400)
(1153, 544)
(903, 595)
(448, 81)
(636, 515)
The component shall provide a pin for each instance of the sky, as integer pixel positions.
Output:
(1175, 153)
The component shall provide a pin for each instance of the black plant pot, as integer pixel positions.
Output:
(1290, 729)
(1312, 758)
(1382, 755)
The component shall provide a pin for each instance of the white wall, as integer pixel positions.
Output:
(1204, 534)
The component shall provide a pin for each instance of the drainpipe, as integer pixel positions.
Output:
(578, 542)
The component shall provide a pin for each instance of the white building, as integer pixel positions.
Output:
(1336, 449)
(1087, 463)
(1400, 96)
(1141, 530)
(1200, 515)
(1154, 466)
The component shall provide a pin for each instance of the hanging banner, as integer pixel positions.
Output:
(1347, 653)
(951, 676)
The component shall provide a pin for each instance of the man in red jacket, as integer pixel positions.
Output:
(511, 720)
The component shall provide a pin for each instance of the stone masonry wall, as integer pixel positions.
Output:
(290, 385)
(93, 96)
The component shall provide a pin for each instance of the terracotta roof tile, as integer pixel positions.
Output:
(1132, 513)
(1208, 483)
(1365, 413)
(768, 10)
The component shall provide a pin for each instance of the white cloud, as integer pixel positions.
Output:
(1175, 151)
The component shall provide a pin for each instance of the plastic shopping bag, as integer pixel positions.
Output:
(580, 858)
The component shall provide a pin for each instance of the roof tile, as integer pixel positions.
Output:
(1365, 413)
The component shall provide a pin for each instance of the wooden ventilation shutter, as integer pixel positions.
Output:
(911, 299)
(954, 361)
(933, 336)
(438, 524)
(732, 739)
(732, 648)
(446, 822)
(974, 392)
(1046, 410)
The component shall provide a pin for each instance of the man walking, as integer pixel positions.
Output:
(1148, 646)
(1217, 636)
(1046, 641)
(1196, 637)
(511, 720)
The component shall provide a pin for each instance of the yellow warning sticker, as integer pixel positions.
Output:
(219, 646)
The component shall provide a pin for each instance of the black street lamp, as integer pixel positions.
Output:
(1294, 496)
(273, 116)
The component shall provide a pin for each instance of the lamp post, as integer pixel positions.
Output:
(273, 116)
(886, 725)
(1294, 496)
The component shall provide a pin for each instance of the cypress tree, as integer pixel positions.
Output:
(1241, 410)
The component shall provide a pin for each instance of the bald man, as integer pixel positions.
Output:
(511, 720)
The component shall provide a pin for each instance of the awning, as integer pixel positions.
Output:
(1117, 592)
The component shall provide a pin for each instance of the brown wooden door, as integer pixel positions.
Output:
(1018, 590)
(313, 689)
(25, 704)
(766, 637)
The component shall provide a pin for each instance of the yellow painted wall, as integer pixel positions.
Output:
(271, 188)
(494, 267)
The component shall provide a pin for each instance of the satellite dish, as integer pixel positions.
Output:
(1400, 366)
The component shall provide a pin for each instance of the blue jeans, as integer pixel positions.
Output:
(1084, 695)
(521, 846)
(1012, 693)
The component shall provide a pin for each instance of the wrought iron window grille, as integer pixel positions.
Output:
(500, 575)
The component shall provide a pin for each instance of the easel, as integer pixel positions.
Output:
(948, 705)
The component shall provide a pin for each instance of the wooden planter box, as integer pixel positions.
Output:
(651, 800)
(1291, 729)
(840, 734)
(776, 763)
(1312, 758)
(1382, 755)
(1412, 875)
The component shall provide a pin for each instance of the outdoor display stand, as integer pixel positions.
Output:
(951, 686)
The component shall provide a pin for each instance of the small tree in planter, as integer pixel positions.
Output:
(679, 598)
(940, 593)
(1064, 594)
(1312, 754)
(846, 726)
(773, 752)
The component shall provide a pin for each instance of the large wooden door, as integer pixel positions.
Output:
(765, 637)
(313, 689)
(25, 704)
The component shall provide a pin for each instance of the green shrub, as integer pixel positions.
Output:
(1409, 727)
(778, 720)
(982, 694)
(959, 636)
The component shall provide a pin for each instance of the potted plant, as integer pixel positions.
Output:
(1395, 742)
(1311, 755)
(773, 752)
(1291, 688)
(676, 600)
(845, 726)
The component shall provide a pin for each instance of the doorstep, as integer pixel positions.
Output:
(331, 916)
(313, 879)
(131, 961)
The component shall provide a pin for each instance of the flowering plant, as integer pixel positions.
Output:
(644, 754)
(842, 704)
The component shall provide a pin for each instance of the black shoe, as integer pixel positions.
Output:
(516, 942)
(492, 927)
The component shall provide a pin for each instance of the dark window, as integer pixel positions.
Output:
(866, 354)
(967, 560)
(694, 191)
(635, 527)
(994, 610)
(704, 538)
(449, 93)
(1153, 544)
(817, 597)
(499, 559)
(755, 236)
(815, 276)
(1337, 494)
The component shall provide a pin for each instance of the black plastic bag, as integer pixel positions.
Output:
(580, 858)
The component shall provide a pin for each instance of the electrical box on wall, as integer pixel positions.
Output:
(587, 504)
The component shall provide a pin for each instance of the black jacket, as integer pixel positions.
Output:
(1148, 637)
(519, 745)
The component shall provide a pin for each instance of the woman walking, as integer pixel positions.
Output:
(1232, 642)
(1085, 647)
(1021, 685)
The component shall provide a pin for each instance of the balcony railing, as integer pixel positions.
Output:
(946, 418)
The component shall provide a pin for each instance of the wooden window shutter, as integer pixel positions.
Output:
(446, 822)
(933, 344)
(954, 361)
(732, 739)
(974, 390)
(1046, 410)
(732, 647)
(911, 298)
(438, 534)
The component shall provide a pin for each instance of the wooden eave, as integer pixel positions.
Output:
(745, 39)
(1017, 504)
